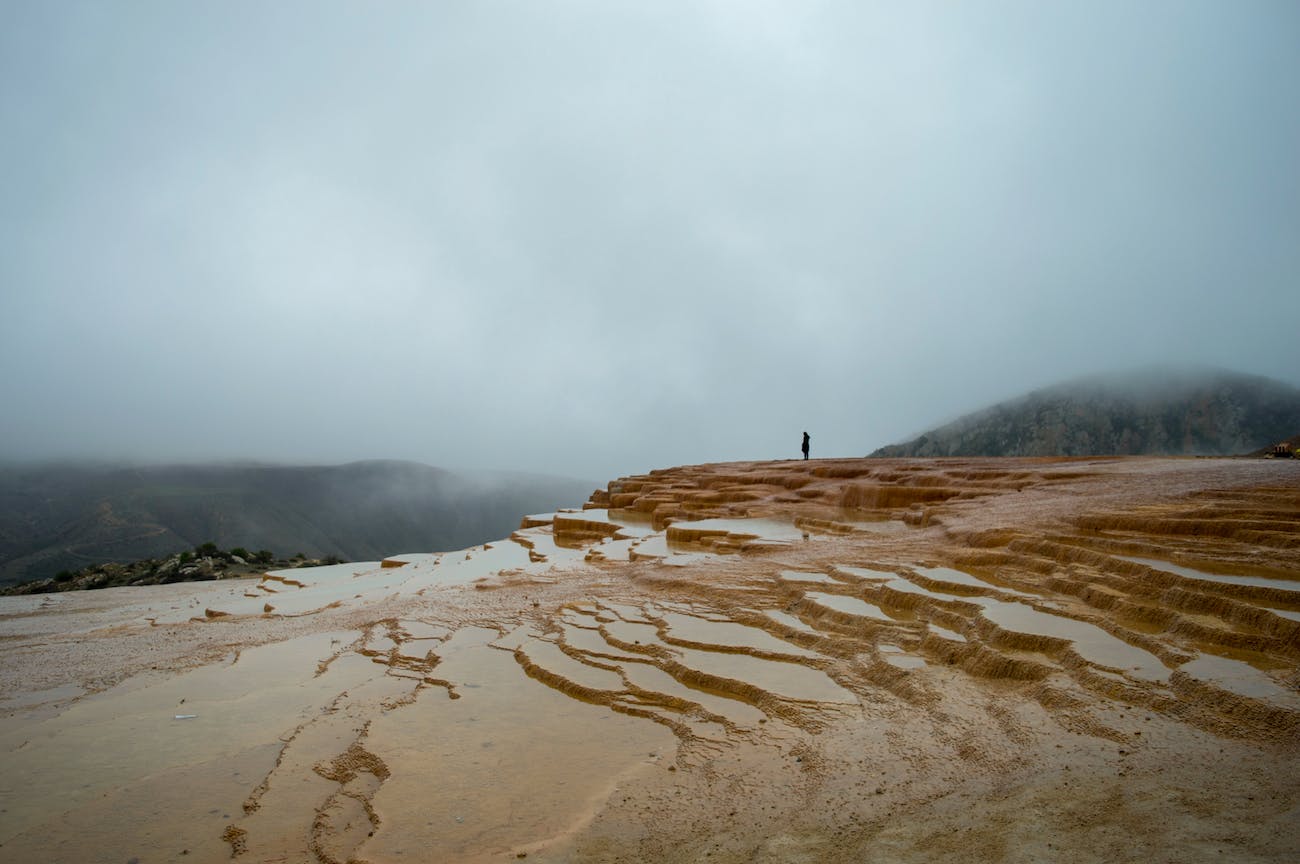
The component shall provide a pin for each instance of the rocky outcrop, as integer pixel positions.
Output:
(205, 563)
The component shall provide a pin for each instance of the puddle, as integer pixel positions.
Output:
(1239, 677)
(550, 657)
(591, 642)
(906, 587)
(511, 764)
(957, 577)
(416, 629)
(739, 530)
(468, 565)
(614, 550)
(865, 573)
(811, 578)
(649, 677)
(121, 754)
(634, 530)
(727, 634)
(1090, 641)
(542, 543)
(308, 589)
(1189, 573)
(41, 697)
(790, 680)
(896, 656)
(945, 633)
(654, 546)
(632, 633)
(627, 612)
(785, 680)
(1285, 613)
(327, 574)
(788, 620)
(854, 606)
(150, 818)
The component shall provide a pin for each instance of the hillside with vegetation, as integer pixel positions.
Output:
(57, 518)
(1153, 412)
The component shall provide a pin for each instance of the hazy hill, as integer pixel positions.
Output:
(61, 517)
(1158, 412)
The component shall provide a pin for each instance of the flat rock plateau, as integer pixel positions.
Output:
(887, 660)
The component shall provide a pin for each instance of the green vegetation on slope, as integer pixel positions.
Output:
(1154, 412)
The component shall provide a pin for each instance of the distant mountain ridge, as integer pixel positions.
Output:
(1150, 412)
(65, 517)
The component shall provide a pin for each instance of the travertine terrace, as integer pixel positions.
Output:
(859, 660)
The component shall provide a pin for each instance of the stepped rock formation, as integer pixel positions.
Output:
(1153, 412)
(834, 660)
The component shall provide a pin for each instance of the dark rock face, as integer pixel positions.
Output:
(1155, 412)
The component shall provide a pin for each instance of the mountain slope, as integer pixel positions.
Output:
(1155, 412)
(54, 518)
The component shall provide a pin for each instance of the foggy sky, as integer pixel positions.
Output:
(595, 238)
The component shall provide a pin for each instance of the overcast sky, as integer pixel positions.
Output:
(594, 238)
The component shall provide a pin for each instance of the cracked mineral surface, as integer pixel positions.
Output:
(833, 660)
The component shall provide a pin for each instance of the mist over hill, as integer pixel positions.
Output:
(1151, 411)
(57, 517)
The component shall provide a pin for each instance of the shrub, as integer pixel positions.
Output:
(64, 576)
(241, 552)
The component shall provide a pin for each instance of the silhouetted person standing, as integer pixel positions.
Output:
(806, 439)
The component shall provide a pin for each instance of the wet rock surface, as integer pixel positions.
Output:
(907, 660)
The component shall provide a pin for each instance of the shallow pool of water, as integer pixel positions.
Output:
(510, 766)
(896, 656)
(810, 578)
(786, 680)
(1228, 579)
(690, 628)
(1239, 677)
(958, 577)
(853, 606)
(771, 530)
(865, 573)
(788, 620)
(1090, 641)
(655, 680)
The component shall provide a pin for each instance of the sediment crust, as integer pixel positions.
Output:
(873, 656)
